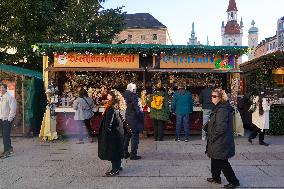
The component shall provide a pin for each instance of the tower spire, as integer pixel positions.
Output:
(192, 31)
(232, 6)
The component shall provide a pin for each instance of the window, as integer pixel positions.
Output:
(155, 37)
(274, 45)
(270, 46)
(129, 38)
(143, 37)
(282, 25)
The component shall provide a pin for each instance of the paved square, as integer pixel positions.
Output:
(164, 164)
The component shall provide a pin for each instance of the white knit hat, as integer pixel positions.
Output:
(131, 87)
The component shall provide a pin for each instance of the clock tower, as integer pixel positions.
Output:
(252, 39)
(232, 32)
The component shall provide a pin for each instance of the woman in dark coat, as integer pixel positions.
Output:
(111, 132)
(220, 143)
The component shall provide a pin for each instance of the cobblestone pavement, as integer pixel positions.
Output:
(165, 164)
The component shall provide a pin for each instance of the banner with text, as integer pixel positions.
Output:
(94, 60)
(194, 61)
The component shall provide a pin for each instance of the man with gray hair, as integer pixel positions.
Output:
(135, 118)
(7, 114)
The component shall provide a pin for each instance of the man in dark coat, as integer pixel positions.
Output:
(205, 100)
(135, 118)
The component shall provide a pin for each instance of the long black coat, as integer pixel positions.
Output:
(220, 142)
(111, 136)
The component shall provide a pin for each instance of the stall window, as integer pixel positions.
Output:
(116, 39)
(129, 38)
(278, 79)
(155, 37)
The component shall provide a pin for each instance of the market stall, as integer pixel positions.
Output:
(100, 67)
(26, 86)
(266, 74)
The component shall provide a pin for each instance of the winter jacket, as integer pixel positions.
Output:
(83, 107)
(163, 113)
(134, 114)
(261, 121)
(205, 98)
(220, 142)
(111, 136)
(182, 103)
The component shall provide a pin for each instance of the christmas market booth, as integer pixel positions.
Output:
(27, 87)
(266, 74)
(67, 67)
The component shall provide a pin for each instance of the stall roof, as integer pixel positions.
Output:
(20, 71)
(94, 69)
(152, 49)
(269, 61)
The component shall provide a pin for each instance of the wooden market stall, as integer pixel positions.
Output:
(68, 67)
(27, 87)
(266, 74)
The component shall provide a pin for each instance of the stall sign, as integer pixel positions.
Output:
(195, 61)
(94, 60)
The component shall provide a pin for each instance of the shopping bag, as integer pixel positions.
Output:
(238, 124)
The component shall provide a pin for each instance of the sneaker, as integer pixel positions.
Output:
(11, 150)
(135, 157)
(213, 181)
(186, 140)
(177, 139)
(231, 185)
(203, 138)
(112, 173)
(5, 154)
(263, 143)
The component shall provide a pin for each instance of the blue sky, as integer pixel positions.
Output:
(207, 15)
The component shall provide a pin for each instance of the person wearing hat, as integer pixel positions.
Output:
(182, 106)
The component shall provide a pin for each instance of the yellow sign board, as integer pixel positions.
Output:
(94, 60)
(194, 61)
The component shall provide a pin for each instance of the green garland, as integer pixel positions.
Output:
(145, 49)
(276, 117)
(258, 72)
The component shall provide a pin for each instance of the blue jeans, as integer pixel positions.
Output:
(182, 119)
(206, 117)
(81, 125)
(6, 134)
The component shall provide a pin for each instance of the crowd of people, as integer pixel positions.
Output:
(123, 120)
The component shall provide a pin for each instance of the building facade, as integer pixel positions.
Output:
(280, 33)
(266, 46)
(142, 28)
(232, 32)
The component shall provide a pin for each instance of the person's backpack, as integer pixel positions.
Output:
(157, 102)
